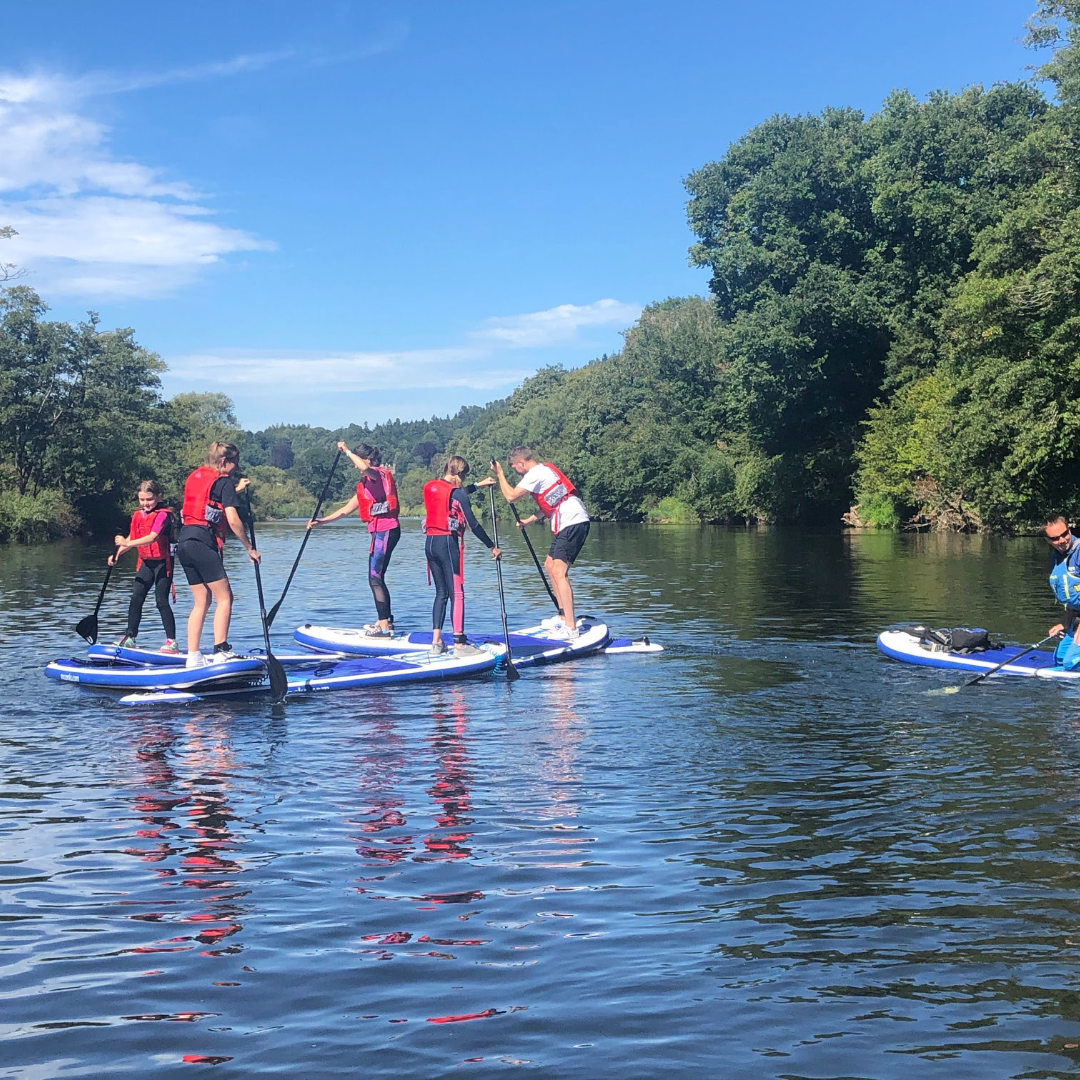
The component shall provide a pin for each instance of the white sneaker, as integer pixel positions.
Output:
(554, 623)
(195, 659)
(222, 657)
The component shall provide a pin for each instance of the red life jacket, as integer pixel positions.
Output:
(441, 518)
(199, 508)
(550, 498)
(141, 526)
(368, 508)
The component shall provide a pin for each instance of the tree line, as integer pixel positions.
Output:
(891, 338)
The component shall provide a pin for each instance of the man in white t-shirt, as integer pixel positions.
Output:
(556, 499)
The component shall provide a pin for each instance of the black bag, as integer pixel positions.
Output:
(969, 641)
(955, 641)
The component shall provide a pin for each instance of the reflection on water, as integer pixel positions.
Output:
(767, 852)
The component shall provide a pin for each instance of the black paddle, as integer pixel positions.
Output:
(998, 667)
(532, 552)
(512, 672)
(303, 543)
(279, 681)
(87, 628)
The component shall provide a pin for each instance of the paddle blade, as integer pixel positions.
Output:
(272, 612)
(512, 673)
(279, 681)
(87, 629)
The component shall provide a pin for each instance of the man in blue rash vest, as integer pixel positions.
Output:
(1065, 581)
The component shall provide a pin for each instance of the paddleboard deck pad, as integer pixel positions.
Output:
(910, 648)
(242, 672)
(539, 644)
(159, 659)
(351, 674)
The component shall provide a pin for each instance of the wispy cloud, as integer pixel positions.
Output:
(92, 224)
(344, 372)
(556, 326)
(478, 364)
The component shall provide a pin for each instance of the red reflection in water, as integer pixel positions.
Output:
(183, 801)
(464, 1016)
(379, 776)
(450, 786)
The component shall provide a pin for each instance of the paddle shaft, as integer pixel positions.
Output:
(511, 671)
(1004, 663)
(279, 681)
(303, 543)
(539, 569)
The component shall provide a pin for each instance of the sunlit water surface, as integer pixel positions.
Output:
(766, 852)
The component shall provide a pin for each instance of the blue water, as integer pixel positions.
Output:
(766, 852)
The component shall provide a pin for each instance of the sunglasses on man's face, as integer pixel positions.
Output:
(1059, 536)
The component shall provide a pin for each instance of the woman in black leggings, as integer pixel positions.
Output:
(446, 513)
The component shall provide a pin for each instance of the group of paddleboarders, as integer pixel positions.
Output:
(210, 510)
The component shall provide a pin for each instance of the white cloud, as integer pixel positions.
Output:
(344, 372)
(89, 223)
(288, 379)
(556, 326)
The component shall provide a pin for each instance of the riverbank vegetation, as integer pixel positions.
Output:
(891, 338)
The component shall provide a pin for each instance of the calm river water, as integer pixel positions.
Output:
(766, 852)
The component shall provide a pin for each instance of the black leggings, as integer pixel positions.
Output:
(444, 562)
(382, 547)
(153, 574)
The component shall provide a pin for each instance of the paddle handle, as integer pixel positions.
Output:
(303, 543)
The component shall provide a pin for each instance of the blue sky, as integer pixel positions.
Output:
(343, 212)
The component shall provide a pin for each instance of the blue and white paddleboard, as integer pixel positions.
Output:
(532, 645)
(242, 672)
(351, 674)
(535, 645)
(910, 649)
(160, 659)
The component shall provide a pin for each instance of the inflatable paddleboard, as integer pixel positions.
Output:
(242, 672)
(539, 644)
(628, 645)
(350, 674)
(910, 649)
(160, 659)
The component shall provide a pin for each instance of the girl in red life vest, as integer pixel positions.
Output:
(151, 536)
(376, 501)
(446, 513)
(209, 513)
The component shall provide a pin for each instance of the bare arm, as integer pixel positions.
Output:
(349, 508)
(232, 516)
(510, 494)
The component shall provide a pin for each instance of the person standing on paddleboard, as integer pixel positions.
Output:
(446, 513)
(209, 511)
(556, 499)
(376, 501)
(151, 536)
(1065, 581)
